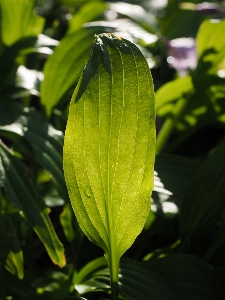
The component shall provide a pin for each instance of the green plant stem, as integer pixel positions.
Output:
(114, 274)
(169, 125)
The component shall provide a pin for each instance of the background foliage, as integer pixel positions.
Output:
(44, 46)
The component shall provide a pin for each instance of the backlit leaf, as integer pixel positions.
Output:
(109, 144)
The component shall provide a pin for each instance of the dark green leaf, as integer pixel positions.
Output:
(10, 252)
(171, 179)
(139, 281)
(192, 274)
(204, 200)
(45, 141)
(24, 198)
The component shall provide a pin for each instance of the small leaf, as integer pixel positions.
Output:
(24, 198)
(109, 145)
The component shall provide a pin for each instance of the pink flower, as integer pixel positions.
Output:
(182, 54)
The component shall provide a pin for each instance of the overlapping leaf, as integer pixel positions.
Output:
(109, 144)
(24, 198)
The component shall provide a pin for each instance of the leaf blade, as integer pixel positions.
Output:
(111, 98)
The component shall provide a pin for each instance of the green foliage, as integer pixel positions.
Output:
(44, 46)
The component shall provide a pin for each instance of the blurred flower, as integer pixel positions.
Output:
(208, 8)
(204, 7)
(182, 54)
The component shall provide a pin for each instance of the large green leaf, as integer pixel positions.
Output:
(171, 179)
(204, 200)
(109, 145)
(63, 68)
(11, 254)
(138, 280)
(46, 142)
(211, 44)
(24, 198)
(193, 275)
(19, 20)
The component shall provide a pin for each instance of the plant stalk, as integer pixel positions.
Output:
(114, 274)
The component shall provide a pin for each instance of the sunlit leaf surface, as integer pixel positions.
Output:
(109, 144)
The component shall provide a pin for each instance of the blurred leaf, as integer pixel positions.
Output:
(93, 277)
(46, 142)
(24, 198)
(40, 43)
(139, 281)
(88, 12)
(74, 298)
(10, 251)
(19, 20)
(53, 286)
(66, 220)
(171, 179)
(192, 274)
(178, 23)
(190, 104)
(109, 158)
(137, 13)
(29, 80)
(215, 252)
(204, 200)
(210, 43)
(63, 68)
(128, 29)
(169, 93)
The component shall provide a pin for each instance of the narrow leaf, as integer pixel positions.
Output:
(24, 198)
(11, 253)
(109, 144)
